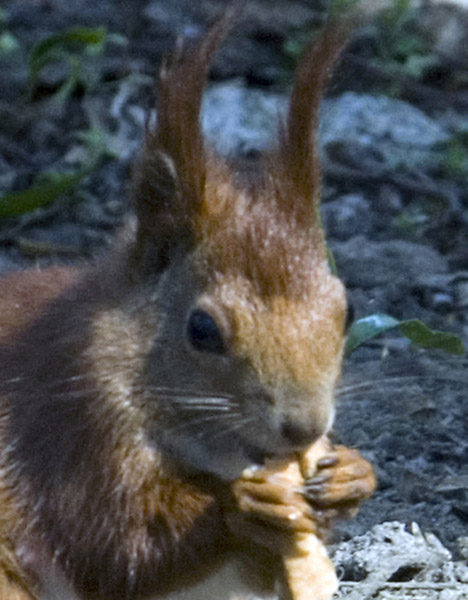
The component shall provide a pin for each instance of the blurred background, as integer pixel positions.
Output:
(76, 89)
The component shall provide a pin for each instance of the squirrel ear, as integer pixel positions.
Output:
(297, 169)
(169, 180)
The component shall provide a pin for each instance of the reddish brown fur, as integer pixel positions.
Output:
(298, 165)
(173, 164)
(100, 471)
(253, 220)
(23, 295)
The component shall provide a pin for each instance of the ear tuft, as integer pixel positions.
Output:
(296, 171)
(169, 181)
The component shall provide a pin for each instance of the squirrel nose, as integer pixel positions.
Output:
(300, 434)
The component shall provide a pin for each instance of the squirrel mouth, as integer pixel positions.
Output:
(259, 456)
(256, 455)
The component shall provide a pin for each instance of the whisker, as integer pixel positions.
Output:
(201, 420)
(194, 404)
(70, 379)
(225, 427)
(196, 401)
(368, 392)
(80, 393)
(206, 407)
(169, 391)
(375, 382)
(388, 382)
(242, 423)
(205, 400)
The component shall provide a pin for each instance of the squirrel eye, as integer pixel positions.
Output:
(203, 333)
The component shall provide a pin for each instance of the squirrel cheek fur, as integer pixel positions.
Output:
(134, 391)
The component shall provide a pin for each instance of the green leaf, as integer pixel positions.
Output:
(38, 63)
(49, 186)
(419, 333)
(96, 144)
(41, 194)
(67, 87)
(368, 328)
(64, 39)
(415, 330)
(59, 46)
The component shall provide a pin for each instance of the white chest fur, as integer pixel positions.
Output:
(227, 582)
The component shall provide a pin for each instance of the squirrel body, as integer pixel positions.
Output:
(137, 393)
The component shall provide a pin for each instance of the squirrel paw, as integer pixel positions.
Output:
(342, 481)
(269, 508)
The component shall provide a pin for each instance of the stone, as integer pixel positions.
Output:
(404, 135)
(241, 121)
(348, 216)
(367, 264)
(393, 561)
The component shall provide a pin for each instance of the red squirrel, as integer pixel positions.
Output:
(146, 397)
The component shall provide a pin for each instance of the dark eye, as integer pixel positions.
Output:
(203, 332)
(349, 316)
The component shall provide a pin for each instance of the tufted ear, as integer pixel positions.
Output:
(295, 168)
(169, 179)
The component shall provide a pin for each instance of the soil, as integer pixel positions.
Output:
(399, 236)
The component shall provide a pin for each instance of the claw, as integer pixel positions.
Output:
(345, 479)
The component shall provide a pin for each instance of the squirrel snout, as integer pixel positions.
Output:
(300, 433)
(295, 430)
(302, 418)
(301, 415)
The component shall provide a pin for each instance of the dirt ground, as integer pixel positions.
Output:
(399, 235)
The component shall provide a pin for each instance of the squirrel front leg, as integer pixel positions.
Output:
(279, 511)
(273, 514)
(336, 484)
(327, 482)
(267, 517)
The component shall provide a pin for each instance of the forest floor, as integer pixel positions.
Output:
(398, 226)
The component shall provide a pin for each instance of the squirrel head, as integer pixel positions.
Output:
(243, 320)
